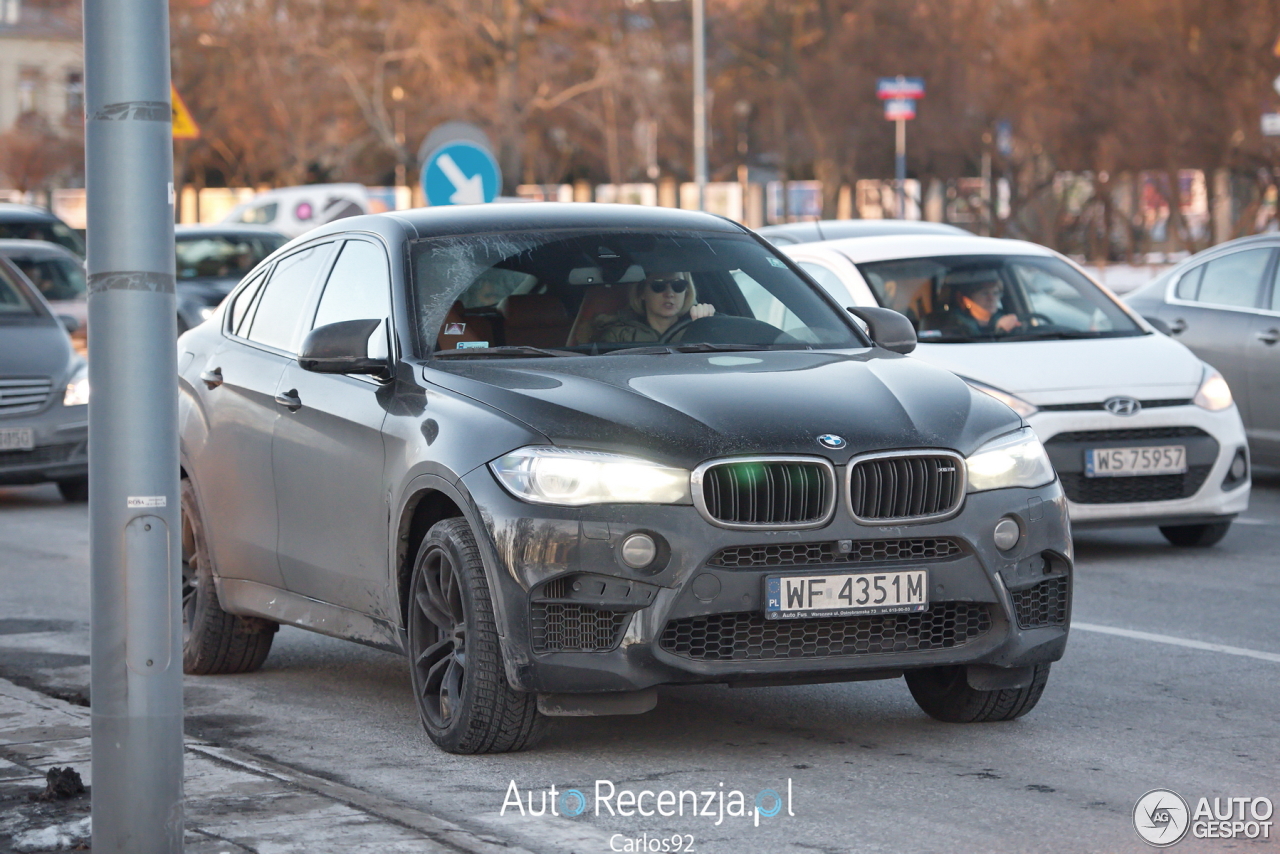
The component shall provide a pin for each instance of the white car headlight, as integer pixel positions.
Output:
(1014, 459)
(77, 393)
(546, 475)
(1017, 404)
(207, 312)
(1214, 394)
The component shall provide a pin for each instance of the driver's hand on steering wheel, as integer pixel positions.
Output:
(1008, 323)
(701, 310)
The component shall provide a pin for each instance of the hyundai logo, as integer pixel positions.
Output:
(1122, 406)
(832, 441)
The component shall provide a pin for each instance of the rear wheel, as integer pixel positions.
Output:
(464, 699)
(75, 490)
(944, 693)
(1195, 536)
(213, 641)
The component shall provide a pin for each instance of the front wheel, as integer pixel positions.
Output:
(1195, 536)
(455, 663)
(944, 693)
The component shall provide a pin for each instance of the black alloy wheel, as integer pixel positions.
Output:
(455, 662)
(441, 622)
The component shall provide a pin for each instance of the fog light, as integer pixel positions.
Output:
(1006, 534)
(639, 550)
(1238, 466)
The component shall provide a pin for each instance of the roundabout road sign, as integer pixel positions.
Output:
(460, 173)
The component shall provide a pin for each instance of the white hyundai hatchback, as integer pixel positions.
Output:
(1139, 429)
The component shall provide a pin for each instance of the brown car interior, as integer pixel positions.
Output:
(531, 320)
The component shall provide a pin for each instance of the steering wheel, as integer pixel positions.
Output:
(722, 329)
(1044, 319)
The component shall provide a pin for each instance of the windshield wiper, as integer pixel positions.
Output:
(716, 348)
(701, 347)
(519, 350)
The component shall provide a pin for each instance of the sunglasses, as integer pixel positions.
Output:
(676, 286)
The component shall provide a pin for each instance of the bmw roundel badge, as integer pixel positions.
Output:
(832, 441)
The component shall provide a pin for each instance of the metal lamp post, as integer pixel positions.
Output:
(700, 101)
(135, 535)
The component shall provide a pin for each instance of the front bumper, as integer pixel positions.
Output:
(61, 449)
(1213, 439)
(561, 590)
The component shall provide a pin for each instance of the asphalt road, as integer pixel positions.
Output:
(866, 770)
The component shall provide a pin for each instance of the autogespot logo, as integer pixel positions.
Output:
(1161, 818)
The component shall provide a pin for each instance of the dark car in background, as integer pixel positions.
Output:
(211, 260)
(421, 431)
(812, 231)
(1224, 304)
(59, 275)
(27, 222)
(44, 394)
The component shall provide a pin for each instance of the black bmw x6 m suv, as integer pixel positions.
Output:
(558, 455)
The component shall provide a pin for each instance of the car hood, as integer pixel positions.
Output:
(38, 348)
(1044, 372)
(683, 409)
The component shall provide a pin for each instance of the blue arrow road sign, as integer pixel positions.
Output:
(460, 173)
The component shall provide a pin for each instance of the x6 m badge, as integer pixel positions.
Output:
(832, 441)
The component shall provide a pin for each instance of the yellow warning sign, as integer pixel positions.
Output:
(184, 127)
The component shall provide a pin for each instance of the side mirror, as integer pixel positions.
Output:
(1158, 325)
(69, 323)
(889, 329)
(342, 348)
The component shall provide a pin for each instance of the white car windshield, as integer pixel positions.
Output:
(996, 298)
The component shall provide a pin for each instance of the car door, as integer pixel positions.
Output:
(238, 382)
(1262, 353)
(1212, 310)
(328, 452)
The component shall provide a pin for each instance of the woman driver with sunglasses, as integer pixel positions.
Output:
(659, 303)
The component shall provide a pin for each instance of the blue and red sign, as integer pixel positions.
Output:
(899, 109)
(898, 88)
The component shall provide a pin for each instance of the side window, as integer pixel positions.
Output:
(1189, 285)
(1234, 280)
(240, 309)
(280, 307)
(359, 286)
(1275, 290)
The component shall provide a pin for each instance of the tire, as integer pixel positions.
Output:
(213, 641)
(944, 694)
(455, 663)
(75, 491)
(1196, 536)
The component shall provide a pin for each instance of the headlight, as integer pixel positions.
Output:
(572, 478)
(1015, 403)
(1214, 394)
(207, 312)
(1015, 459)
(77, 393)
